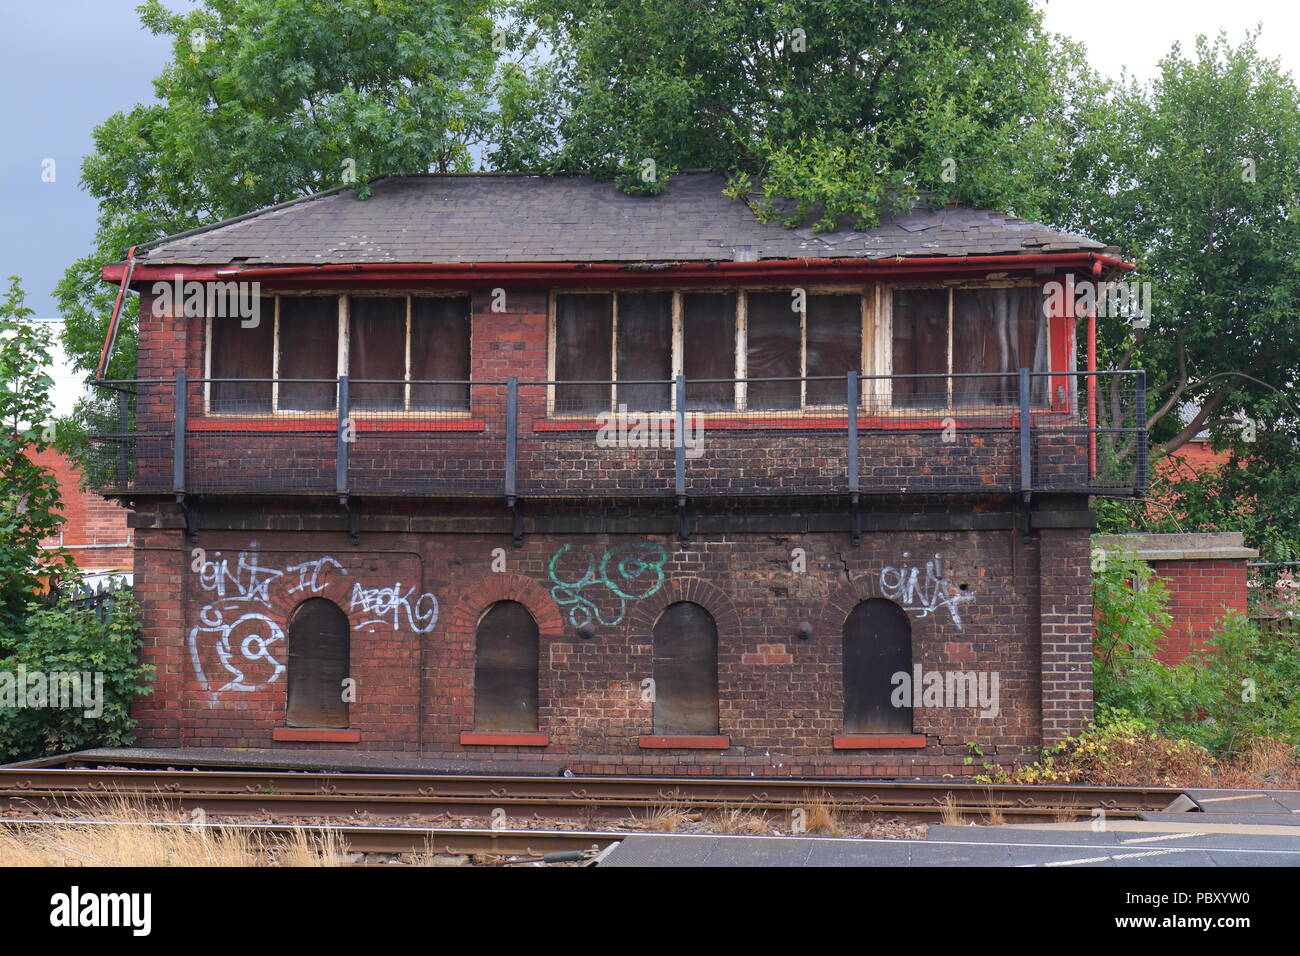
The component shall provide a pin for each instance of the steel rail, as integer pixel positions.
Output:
(780, 792)
(345, 805)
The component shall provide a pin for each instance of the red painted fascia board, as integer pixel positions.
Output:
(602, 272)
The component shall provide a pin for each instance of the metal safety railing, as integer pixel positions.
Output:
(1079, 432)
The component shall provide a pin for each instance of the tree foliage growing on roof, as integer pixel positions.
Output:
(841, 109)
(29, 494)
(269, 100)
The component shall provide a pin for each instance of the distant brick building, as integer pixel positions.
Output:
(95, 529)
(516, 465)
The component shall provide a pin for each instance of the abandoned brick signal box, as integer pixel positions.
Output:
(515, 465)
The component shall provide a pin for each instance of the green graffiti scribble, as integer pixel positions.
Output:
(639, 570)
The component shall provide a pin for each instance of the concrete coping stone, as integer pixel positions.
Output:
(1212, 545)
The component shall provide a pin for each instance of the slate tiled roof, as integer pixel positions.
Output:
(522, 218)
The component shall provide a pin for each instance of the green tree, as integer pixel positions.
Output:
(268, 100)
(64, 638)
(1194, 177)
(841, 110)
(29, 493)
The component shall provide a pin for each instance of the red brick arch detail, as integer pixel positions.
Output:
(843, 600)
(643, 614)
(476, 596)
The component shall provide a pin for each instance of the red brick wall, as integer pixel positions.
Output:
(94, 529)
(1200, 594)
(780, 698)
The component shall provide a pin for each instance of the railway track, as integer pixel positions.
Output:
(344, 795)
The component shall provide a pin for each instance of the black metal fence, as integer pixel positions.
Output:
(1065, 432)
(96, 598)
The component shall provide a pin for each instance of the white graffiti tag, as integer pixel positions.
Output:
(246, 642)
(387, 604)
(925, 594)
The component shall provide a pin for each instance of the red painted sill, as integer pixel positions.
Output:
(331, 425)
(664, 742)
(477, 739)
(319, 735)
(879, 741)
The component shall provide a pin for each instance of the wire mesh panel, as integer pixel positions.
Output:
(432, 438)
(1093, 436)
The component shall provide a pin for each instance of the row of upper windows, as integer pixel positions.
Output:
(756, 350)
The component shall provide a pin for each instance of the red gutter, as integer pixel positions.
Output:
(111, 338)
(765, 269)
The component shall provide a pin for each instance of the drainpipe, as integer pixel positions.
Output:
(111, 338)
(1092, 381)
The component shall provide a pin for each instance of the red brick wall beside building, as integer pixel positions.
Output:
(1206, 576)
(95, 528)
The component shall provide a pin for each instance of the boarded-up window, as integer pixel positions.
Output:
(505, 669)
(377, 351)
(440, 343)
(877, 645)
(239, 352)
(685, 671)
(834, 333)
(775, 339)
(920, 346)
(318, 665)
(583, 343)
(645, 350)
(309, 349)
(996, 330)
(709, 349)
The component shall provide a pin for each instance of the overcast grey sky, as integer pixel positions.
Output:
(65, 65)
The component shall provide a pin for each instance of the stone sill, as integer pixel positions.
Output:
(667, 742)
(321, 735)
(878, 741)
(489, 739)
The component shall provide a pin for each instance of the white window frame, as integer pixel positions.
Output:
(883, 328)
(344, 351)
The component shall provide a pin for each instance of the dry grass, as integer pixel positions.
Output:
(666, 819)
(995, 816)
(128, 834)
(820, 818)
(949, 812)
(739, 823)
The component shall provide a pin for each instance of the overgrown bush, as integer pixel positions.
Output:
(1242, 687)
(65, 638)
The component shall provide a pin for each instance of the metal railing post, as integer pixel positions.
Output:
(178, 451)
(512, 436)
(679, 438)
(341, 449)
(1026, 478)
(123, 429)
(1140, 422)
(853, 431)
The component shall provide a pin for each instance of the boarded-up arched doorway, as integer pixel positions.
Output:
(318, 665)
(685, 671)
(505, 669)
(877, 645)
